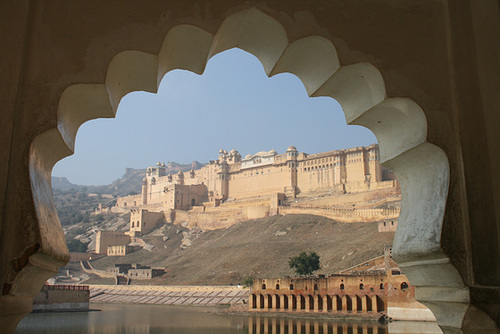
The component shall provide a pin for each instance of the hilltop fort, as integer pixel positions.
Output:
(347, 185)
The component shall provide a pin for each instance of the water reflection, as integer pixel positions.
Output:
(122, 318)
(259, 325)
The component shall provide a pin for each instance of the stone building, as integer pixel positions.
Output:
(422, 75)
(232, 189)
(104, 239)
(143, 221)
(388, 225)
(360, 293)
(121, 250)
(136, 271)
(263, 174)
(371, 287)
(364, 293)
(62, 298)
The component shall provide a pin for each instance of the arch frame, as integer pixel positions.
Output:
(417, 245)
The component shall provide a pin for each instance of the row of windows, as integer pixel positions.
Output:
(319, 161)
(258, 172)
(308, 169)
(403, 286)
(138, 224)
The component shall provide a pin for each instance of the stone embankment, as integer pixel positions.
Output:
(169, 295)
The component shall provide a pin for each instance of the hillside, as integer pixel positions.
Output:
(255, 248)
(76, 203)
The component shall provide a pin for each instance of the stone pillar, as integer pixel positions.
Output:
(325, 303)
(374, 303)
(266, 302)
(282, 302)
(258, 301)
(363, 304)
(290, 303)
(250, 302)
(316, 303)
(354, 303)
(274, 301)
(344, 303)
(334, 303)
(308, 303)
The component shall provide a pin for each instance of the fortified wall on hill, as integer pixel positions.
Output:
(232, 188)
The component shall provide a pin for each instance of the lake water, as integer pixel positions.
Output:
(121, 318)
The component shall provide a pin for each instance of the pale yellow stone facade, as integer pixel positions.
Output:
(104, 239)
(231, 188)
(233, 178)
(143, 221)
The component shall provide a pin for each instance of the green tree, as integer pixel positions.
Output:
(76, 246)
(248, 282)
(304, 263)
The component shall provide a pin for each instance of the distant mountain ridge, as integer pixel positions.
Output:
(130, 182)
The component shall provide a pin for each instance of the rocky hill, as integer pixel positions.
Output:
(130, 182)
(76, 203)
(255, 248)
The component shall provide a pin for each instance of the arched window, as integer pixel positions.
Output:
(381, 286)
(291, 286)
(193, 202)
(342, 286)
(132, 224)
(263, 286)
(361, 286)
(404, 286)
(277, 286)
(315, 287)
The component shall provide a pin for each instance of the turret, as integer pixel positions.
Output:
(234, 156)
(180, 178)
(144, 192)
(222, 185)
(291, 157)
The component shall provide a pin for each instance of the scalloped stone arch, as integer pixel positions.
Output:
(398, 123)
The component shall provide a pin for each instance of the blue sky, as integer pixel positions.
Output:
(232, 105)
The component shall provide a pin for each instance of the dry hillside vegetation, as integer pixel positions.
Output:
(254, 248)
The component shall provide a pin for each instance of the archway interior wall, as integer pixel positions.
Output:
(359, 88)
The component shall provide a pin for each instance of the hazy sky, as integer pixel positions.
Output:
(232, 105)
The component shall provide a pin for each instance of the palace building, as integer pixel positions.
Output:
(233, 188)
(231, 177)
